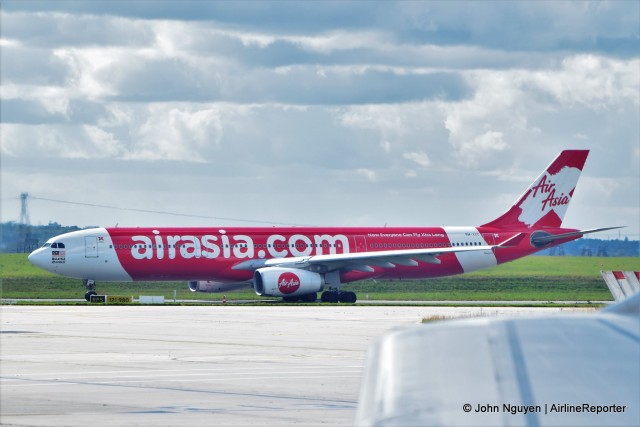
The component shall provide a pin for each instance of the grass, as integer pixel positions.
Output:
(538, 278)
(18, 266)
(537, 266)
(489, 289)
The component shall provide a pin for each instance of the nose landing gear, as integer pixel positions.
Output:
(90, 286)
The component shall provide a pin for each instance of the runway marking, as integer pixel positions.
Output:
(178, 372)
(57, 382)
(238, 409)
(274, 345)
(131, 384)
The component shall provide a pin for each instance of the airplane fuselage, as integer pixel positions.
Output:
(156, 254)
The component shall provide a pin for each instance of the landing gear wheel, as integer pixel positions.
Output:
(339, 296)
(347, 297)
(312, 297)
(329, 296)
(89, 294)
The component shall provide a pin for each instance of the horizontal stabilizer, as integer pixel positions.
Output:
(541, 238)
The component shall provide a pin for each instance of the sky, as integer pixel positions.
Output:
(315, 113)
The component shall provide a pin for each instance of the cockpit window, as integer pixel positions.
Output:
(46, 245)
(55, 245)
(60, 245)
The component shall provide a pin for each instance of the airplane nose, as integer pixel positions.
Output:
(37, 258)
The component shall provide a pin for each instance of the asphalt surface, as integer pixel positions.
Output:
(195, 366)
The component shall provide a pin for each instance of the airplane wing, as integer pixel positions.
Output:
(555, 370)
(359, 261)
(365, 261)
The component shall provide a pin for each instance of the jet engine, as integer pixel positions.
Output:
(212, 286)
(286, 282)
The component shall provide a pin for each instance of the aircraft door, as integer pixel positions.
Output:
(361, 243)
(91, 247)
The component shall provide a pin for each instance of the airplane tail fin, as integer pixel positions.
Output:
(546, 200)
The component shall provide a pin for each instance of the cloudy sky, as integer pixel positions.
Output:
(315, 113)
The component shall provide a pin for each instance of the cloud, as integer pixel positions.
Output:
(367, 173)
(58, 141)
(324, 104)
(48, 30)
(499, 116)
(530, 26)
(595, 81)
(419, 157)
(179, 62)
(178, 135)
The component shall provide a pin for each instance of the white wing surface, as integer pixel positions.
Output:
(562, 370)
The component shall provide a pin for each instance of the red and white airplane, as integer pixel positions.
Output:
(297, 262)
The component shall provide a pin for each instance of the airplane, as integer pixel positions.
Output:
(296, 263)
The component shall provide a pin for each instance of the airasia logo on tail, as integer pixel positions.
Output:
(549, 188)
(551, 192)
(288, 283)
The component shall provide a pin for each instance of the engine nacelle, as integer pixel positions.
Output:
(286, 282)
(212, 286)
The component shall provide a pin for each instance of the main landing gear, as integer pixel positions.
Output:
(90, 286)
(331, 296)
(312, 297)
(339, 296)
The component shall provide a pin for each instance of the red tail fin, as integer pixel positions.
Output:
(547, 198)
